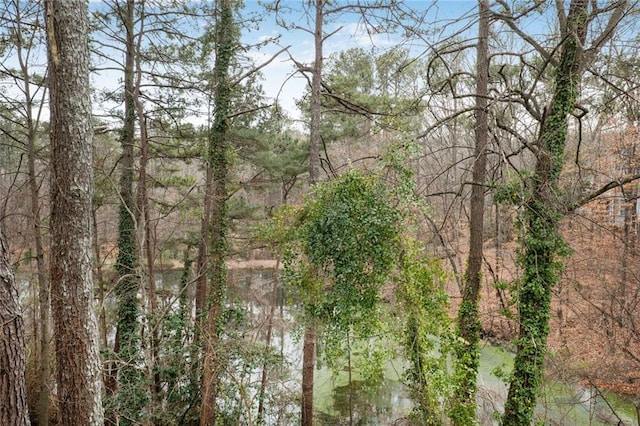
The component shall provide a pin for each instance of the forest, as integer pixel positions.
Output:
(329, 212)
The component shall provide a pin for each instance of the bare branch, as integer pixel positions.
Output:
(259, 67)
(617, 15)
(510, 20)
(605, 188)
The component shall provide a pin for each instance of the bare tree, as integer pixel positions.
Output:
(468, 315)
(542, 246)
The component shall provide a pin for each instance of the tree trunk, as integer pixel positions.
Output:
(217, 235)
(146, 239)
(44, 301)
(316, 100)
(542, 244)
(99, 277)
(44, 295)
(625, 311)
(468, 352)
(196, 372)
(130, 394)
(79, 381)
(13, 409)
(203, 257)
(308, 367)
(309, 341)
(270, 319)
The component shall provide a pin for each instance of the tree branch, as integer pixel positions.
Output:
(259, 67)
(605, 188)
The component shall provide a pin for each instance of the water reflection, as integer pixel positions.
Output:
(271, 316)
(336, 401)
(363, 404)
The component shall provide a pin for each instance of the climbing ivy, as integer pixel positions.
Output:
(350, 235)
(426, 337)
(349, 243)
(133, 390)
(543, 249)
(338, 251)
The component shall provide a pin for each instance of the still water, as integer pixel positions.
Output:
(386, 402)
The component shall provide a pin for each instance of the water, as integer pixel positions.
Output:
(387, 401)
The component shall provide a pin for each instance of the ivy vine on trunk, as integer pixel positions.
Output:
(217, 229)
(128, 378)
(542, 245)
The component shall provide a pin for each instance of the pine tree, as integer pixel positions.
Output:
(79, 380)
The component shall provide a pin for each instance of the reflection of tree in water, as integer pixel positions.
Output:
(371, 403)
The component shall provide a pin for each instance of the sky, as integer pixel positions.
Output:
(281, 81)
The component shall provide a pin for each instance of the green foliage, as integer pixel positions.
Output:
(132, 394)
(341, 249)
(174, 180)
(350, 235)
(426, 338)
(516, 190)
(243, 357)
(394, 162)
(240, 208)
(173, 367)
(467, 351)
(282, 156)
(369, 90)
(540, 260)
(510, 193)
(543, 248)
(500, 373)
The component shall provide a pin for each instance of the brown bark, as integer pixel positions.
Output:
(13, 398)
(146, 240)
(24, 48)
(480, 164)
(102, 316)
(79, 381)
(201, 279)
(203, 261)
(315, 107)
(309, 341)
(268, 338)
(308, 366)
(468, 317)
(44, 299)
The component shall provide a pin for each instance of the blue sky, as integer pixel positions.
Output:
(349, 32)
(279, 79)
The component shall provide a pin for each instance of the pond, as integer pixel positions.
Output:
(386, 402)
